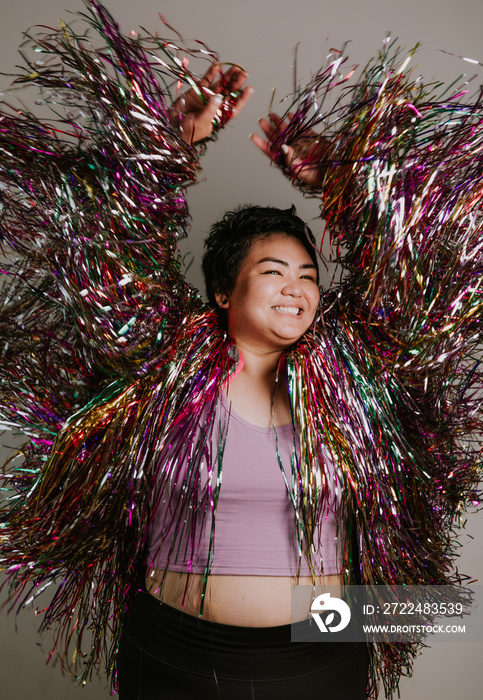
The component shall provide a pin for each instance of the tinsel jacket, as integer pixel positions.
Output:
(106, 348)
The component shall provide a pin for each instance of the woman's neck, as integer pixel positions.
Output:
(259, 362)
(258, 393)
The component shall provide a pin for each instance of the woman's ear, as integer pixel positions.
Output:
(222, 300)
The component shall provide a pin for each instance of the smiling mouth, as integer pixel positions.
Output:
(290, 310)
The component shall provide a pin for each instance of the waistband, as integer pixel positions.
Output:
(235, 652)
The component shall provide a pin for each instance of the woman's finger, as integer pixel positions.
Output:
(268, 129)
(237, 80)
(242, 100)
(210, 75)
(262, 144)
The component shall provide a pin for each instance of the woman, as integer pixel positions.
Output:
(366, 402)
(267, 297)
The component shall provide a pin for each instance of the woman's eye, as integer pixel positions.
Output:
(272, 272)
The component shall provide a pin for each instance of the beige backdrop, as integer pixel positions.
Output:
(261, 36)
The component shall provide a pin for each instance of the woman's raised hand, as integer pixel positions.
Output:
(222, 95)
(301, 160)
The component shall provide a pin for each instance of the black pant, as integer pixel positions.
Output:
(168, 655)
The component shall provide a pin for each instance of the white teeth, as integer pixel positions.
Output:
(292, 310)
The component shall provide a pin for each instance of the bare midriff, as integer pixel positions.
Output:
(244, 601)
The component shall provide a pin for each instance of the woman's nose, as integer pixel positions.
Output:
(292, 287)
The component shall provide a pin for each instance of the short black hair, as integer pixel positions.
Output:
(231, 238)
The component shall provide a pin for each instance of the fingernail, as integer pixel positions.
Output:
(284, 149)
(218, 99)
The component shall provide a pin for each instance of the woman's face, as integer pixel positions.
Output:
(276, 295)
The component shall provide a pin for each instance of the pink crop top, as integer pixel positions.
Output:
(254, 524)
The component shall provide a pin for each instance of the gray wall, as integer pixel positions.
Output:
(261, 36)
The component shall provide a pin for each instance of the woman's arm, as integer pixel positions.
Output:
(397, 165)
(93, 204)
